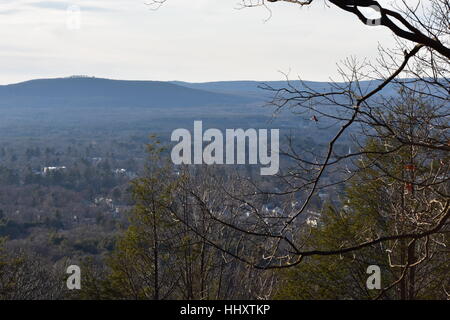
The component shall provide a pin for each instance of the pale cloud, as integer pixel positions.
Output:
(209, 40)
(9, 11)
(62, 6)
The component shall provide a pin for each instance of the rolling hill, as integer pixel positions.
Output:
(95, 92)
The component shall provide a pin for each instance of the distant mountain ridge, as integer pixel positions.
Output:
(250, 87)
(98, 92)
(85, 107)
(82, 91)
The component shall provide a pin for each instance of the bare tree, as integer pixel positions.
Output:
(372, 101)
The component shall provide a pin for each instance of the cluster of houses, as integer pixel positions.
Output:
(47, 170)
(119, 171)
(114, 209)
(312, 217)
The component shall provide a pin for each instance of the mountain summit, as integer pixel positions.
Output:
(97, 92)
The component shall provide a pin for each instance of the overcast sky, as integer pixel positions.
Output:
(196, 40)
